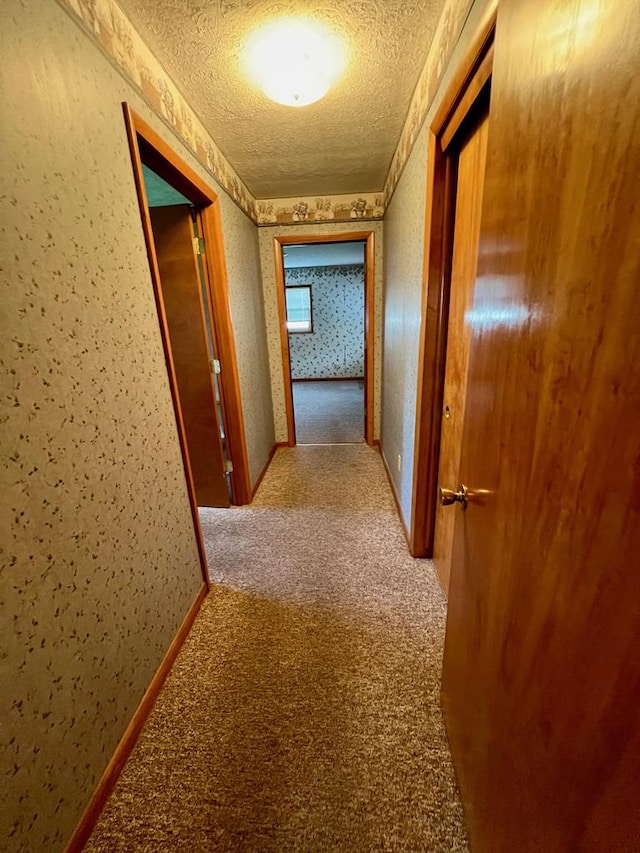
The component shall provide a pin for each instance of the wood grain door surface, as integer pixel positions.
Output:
(181, 291)
(470, 183)
(541, 681)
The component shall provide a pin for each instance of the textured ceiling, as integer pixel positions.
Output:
(323, 254)
(343, 143)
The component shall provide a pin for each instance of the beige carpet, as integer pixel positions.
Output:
(329, 412)
(302, 713)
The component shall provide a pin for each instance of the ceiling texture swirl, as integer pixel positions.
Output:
(343, 143)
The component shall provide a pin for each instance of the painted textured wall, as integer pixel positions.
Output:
(99, 562)
(266, 236)
(336, 345)
(247, 315)
(404, 232)
(403, 260)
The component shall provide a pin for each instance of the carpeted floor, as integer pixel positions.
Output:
(329, 411)
(302, 713)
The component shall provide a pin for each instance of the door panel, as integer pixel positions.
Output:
(173, 237)
(541, 681)
(471, 164)
(212, 347)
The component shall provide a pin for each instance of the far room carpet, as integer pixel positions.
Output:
(329, 411)
(303, 712)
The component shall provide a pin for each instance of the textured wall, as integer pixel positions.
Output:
(266, 235)
(99, 563)
(336, 345)
(247, 315)
(404, 232)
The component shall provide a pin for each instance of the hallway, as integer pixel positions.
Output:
(303, 711)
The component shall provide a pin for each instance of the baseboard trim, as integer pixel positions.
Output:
(330, 379)
(395, 497)
(266, 466)
(119, 758)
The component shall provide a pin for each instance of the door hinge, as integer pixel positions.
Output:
(198, 245)
(228, 466)
(214, 364)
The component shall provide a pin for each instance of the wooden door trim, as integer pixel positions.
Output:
(215, 265)
(228, 413)
(284, 340)
(171, 167)
(369, 339)
(369, 319)
(469, 80)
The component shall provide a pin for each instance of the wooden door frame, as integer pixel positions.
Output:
(165, 162)
(470, 78)
(368, 237)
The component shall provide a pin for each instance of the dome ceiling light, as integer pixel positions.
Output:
(294, 61)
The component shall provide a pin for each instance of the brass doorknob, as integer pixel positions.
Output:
(448, 496)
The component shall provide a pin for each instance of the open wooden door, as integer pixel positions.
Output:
(541, 682)
(181, 292)
(470, 165)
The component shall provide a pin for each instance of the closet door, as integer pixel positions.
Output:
(182, 295)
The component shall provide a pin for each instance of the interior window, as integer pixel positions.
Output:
(299, 309)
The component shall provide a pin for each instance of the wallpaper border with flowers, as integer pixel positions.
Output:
(111, 29)
(334, 208)
(448, 31)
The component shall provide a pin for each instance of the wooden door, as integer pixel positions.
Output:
(541, 682)
(470, 183)
(181, 292)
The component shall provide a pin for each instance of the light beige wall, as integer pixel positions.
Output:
(404, 244)
(404, 251)
(99, 562)
(271, 310)
(248, 317)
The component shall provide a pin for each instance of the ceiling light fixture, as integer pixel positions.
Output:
(294, 61)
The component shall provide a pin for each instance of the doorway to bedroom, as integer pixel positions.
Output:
(325, 313)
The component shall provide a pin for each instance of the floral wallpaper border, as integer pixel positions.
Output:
(446, 37)
(108, 25)
(338, 208)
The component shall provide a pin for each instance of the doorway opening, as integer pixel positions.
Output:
(455, 181)
(325, 299)
(182, 229)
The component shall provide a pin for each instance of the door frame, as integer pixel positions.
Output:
(469, 80)
(144, 141)
(368, 237)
